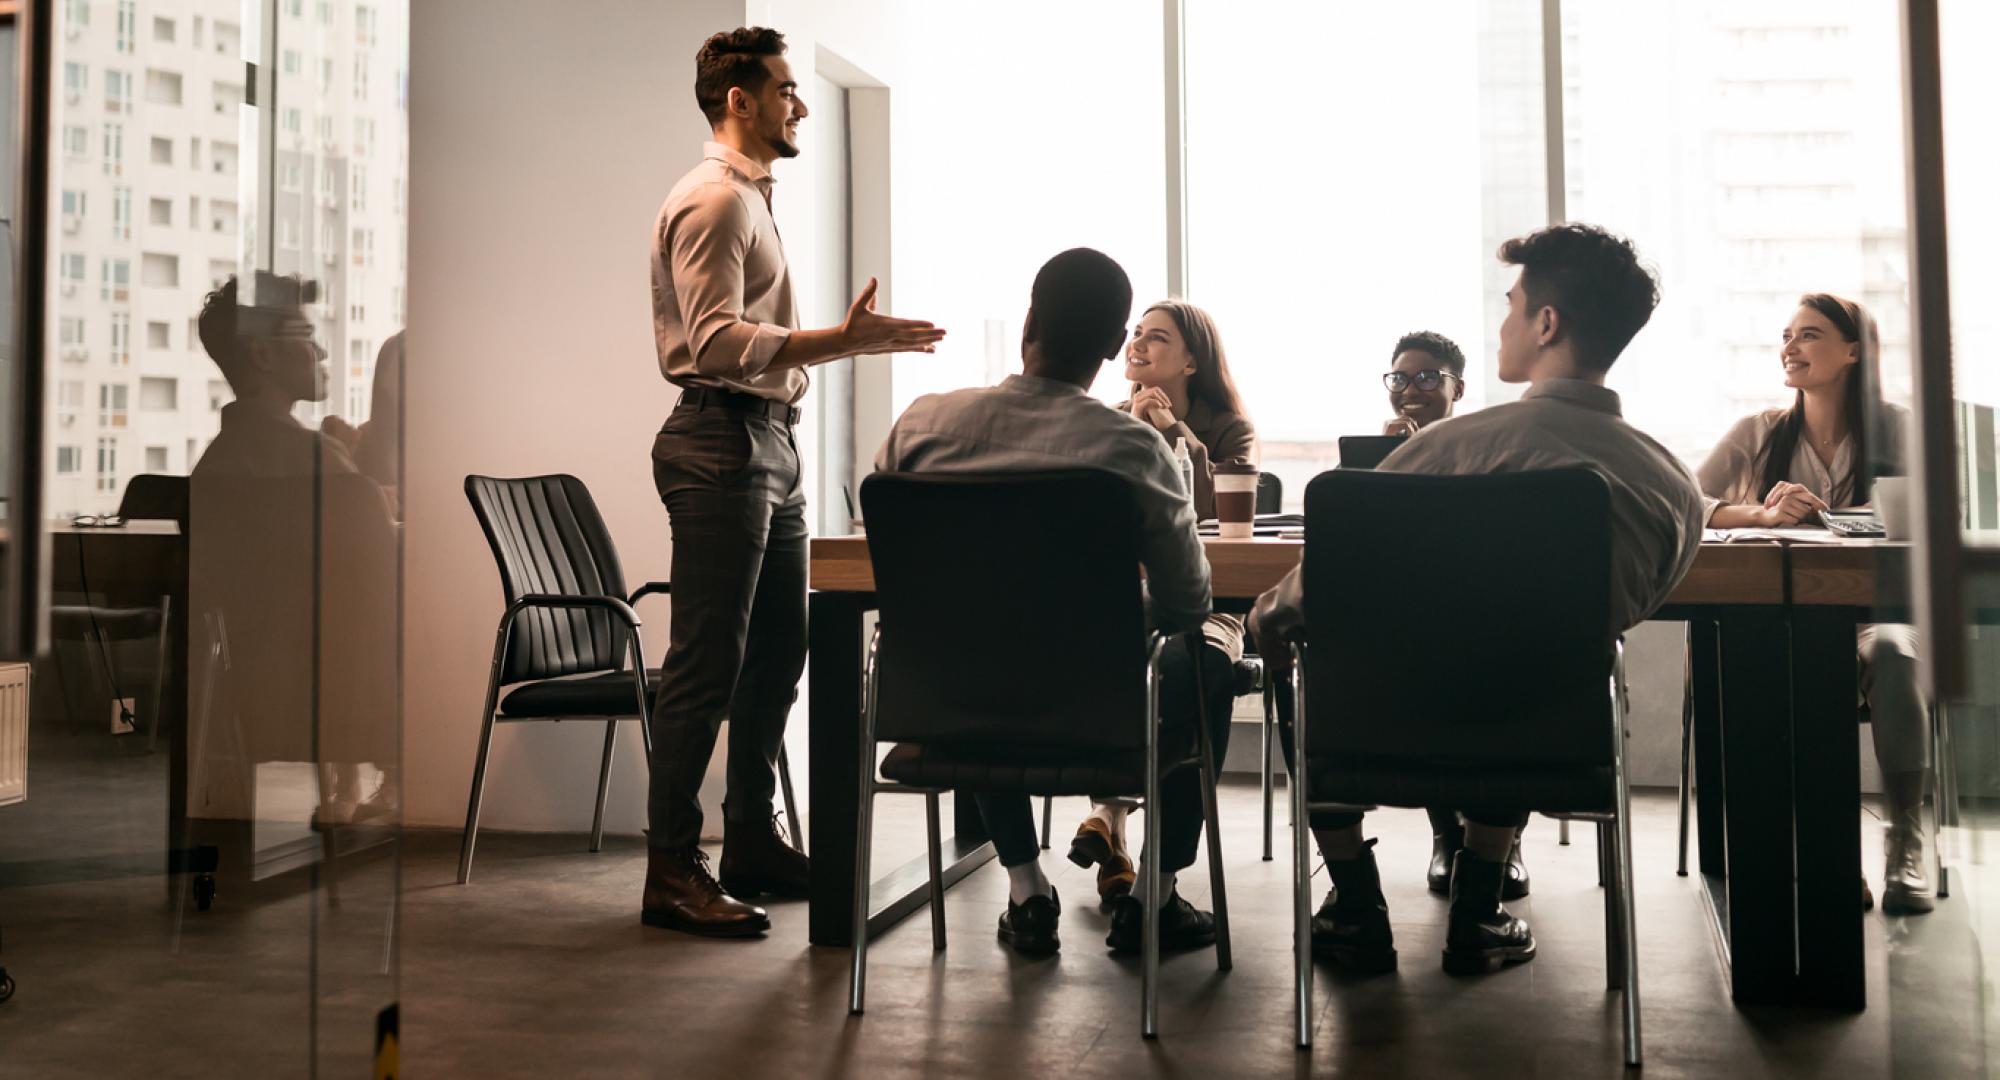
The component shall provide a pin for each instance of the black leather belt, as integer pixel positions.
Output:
(704, 397)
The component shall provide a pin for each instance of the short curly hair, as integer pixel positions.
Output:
(1436, 345)
(1594, 279)
(729, 59)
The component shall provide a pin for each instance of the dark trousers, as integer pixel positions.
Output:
(1010, 817)
(1342, 819)
(732, 485)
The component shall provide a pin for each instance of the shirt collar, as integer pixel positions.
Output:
(750, 170)
(1039, 387)
(1587, 395)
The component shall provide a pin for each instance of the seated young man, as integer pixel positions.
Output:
(1044, 418)
(1581, 297)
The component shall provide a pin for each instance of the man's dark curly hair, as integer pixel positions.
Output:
(1439, 347)
(733, 58)
(1593, 279)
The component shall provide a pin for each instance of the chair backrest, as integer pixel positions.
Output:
(1459, 618)
(547, 537)
(1270, 493)
(154, 497)
(1011, 609)
(1367, 451)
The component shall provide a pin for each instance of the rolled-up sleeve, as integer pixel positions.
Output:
(707, 238)
(1728, 476)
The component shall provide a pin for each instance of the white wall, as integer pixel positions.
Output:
(541, 147)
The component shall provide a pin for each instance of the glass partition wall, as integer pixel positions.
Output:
(205, 867)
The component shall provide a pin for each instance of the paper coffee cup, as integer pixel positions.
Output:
(1235, 500)
(1892, 505)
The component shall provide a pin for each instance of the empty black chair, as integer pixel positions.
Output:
(982, 691)
(1531, 715)
(1367, 451)
(568, 643)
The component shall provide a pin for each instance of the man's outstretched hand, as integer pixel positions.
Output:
(865, 332)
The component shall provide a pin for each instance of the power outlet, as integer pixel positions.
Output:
(120, 709)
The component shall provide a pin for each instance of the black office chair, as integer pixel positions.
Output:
(1367, 451)
(1532, 713)
(577, 651)
(102, 625)
(980, 690)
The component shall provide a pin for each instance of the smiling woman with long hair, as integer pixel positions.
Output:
(1780, 467)
(1181, 385)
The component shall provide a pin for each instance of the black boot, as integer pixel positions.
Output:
(1447, 836)
(1481, 936)
(1351, 930)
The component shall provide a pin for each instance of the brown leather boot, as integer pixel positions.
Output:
(757, 860)
(682, 895)
(1094, 845)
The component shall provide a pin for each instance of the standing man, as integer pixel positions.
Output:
(726, 464)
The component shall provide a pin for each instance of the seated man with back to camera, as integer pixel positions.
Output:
(1044, 418)
(1581, 297)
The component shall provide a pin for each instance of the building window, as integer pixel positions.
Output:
(295, 8)
(76, 141)
(156, 459)
(163, 30)
(107, 465)
(218, 395)
(288, 233)
(159, 335)
(114, 149)
(324, 125)
(128, 25)
(356, 401)
(157, 271)
(76, 81)
(72, 271)
(324, 9)
(364, 247)
(77, 12)
(358, 189)
(160, 212)
(112, 405)
(69, 401)
(121, 340)
(294, 122)
(115, 280)
(121, 213)
(163, 87)
(364, 136)
(291, 175)
(117, 91)
(72, 331)
(69, 460)
(357, 313)
(159, 394)
(364, 25)
(72, 206)
(291, 61)
(361, 78)
(163, 151)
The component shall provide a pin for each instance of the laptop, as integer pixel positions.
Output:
(1367, 451)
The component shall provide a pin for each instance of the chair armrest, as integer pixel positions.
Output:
(553, 600)
(648, 589)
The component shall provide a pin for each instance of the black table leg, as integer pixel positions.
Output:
(1757, 758)
(1705, 658)
(834, 711)
(1826, 782)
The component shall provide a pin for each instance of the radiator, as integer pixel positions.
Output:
(13, 733)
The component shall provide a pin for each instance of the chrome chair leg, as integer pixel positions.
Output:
(1048, 813)
(1687, 745)
(1264, 758)
(1943, 779)
(1224, 959)
(864, 813)
(1301, 864)
(485, 751)
(159, 674)
(936, 848)
(1622, 860)
(1614, 956)
(793, 825)
(1562, 837)
(603, 786)
(1149, 861)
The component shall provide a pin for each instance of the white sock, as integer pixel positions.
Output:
(1166, 886)
(1027, 880)
(1112, 814)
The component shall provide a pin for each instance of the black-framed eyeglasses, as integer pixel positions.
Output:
(1427, 379)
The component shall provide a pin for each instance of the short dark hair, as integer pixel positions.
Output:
(729, 59)
(224, 322)
(1441, 348)
(1594, 279)
(1080, 302)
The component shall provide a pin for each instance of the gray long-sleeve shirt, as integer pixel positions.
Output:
(1025, 424)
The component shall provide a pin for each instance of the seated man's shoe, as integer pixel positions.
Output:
(1514, 886)
(1481, 936)
(1447, 837)
(1905, 888)
(1351, 930)
(682, 895)
(1095, 846)
(1030, 927)
(756, 861)
(1182, 926)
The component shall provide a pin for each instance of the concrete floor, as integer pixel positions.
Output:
(540, 968)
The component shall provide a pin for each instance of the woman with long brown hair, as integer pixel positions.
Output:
(1181, 385)
(1782, 466)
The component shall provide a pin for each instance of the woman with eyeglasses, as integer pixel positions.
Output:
(1181, 385)
(1425, 380)
(1780, 467)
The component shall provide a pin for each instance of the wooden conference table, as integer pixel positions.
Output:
(1777, 763)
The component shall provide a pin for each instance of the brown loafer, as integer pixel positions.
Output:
(682, 895)
(1095, 846)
